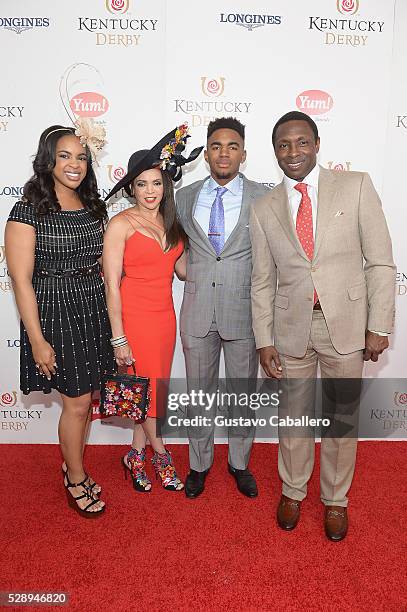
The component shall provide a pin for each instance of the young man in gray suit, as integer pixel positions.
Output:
(216, 310)
(323, 290)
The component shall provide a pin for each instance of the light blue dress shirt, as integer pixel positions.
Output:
(232, 203)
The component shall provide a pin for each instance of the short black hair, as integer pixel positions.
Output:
(294, 116)
(230, 123)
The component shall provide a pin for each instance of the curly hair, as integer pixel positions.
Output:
(230, 123)
(39, 190)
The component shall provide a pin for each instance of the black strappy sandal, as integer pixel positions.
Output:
(87, 494)
(92, 483)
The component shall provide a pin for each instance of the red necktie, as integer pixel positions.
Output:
(304, 227)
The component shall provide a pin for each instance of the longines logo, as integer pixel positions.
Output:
(14, 191)
(211, 87)
(8, 113)
(401, 283)
(13, 343)
(315, 102)
(117, 31)
(250, 21)
(21, 24)
(345, 32)
(339, 166)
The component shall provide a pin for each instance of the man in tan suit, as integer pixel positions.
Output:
(322, 293)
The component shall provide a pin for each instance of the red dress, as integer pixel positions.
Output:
(148, 310)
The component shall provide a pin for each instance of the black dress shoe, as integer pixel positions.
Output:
(245, 481)
(195, 483)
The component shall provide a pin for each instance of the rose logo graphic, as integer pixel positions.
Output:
(115, 174)
(8, 399)
(400, 399)
(347, 7)
(2, 254)
(117, 6)
(213, 87)
(339, 166)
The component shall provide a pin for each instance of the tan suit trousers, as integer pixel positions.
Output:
(297, 448)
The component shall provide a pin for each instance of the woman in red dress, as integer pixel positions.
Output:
(143, 246)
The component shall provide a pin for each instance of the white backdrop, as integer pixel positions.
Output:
(142, 67)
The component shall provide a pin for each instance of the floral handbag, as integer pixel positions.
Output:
(125, 395)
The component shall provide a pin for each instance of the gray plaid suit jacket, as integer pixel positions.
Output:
(217, 284)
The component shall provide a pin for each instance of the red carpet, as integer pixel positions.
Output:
(164, 552)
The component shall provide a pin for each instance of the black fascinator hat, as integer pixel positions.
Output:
(166, 154)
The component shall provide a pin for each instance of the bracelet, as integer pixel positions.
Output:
(119, 341)
(120, 345)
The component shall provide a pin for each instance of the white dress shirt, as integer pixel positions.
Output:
(232, 203)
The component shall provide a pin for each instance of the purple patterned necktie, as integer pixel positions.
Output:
(216, 232)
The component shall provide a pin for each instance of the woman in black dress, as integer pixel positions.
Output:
(53, 243)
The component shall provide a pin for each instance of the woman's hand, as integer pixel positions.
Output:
(44, 357)
(123, 355)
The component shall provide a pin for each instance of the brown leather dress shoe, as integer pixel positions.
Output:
(288, 513)
(336, 522)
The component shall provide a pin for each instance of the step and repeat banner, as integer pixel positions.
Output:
(143, 66)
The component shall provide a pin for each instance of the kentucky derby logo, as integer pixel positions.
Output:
(314, 102)
(2, 254)
(400, 399)
(339, 166)
(117, 7)
(212, 88)
(115, 173)
(8, 400)
(347, 7)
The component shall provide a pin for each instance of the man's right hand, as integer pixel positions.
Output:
(270, 362)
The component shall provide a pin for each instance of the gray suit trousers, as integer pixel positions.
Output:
(202, 357)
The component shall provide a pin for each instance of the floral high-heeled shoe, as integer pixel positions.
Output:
(165, 469)
(134, 462)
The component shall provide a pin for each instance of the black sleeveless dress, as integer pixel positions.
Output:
(72, 310)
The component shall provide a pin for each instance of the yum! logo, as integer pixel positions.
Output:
(89, 104)
(117, 7)
(314, 102)
(347, 7)
(212, 88)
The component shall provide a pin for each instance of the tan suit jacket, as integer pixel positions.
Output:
(352, 268)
